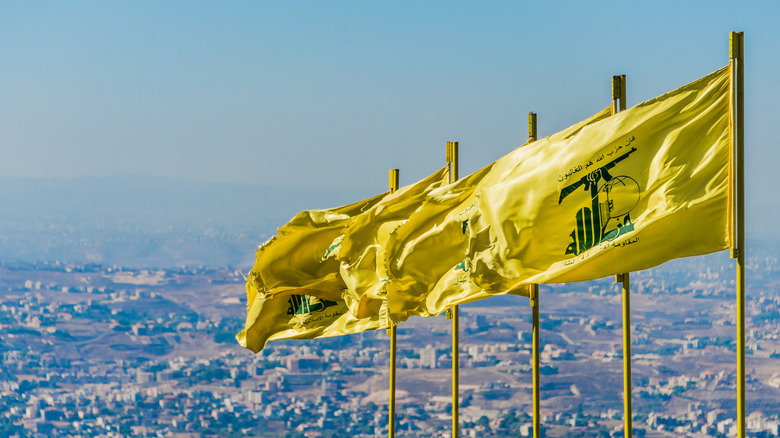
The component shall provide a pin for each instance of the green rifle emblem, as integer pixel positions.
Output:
(304, 304)
(592, 222)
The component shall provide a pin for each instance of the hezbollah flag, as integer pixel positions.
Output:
(630, 192)
(426, 261)
(297, 260)
(294, 290)
(363, 261)
(297, 317)
(301, 258)
(606, 196)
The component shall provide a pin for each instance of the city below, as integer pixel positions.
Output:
(94, 350)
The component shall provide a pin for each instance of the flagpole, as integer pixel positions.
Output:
(737, 110)
(393, 184)
(452, 160)
(619, 104)
(534, 302)
(627, 412)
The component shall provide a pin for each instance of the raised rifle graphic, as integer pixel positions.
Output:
(591, 180)
(590, 228)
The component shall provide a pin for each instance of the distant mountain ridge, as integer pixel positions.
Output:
(135, 220)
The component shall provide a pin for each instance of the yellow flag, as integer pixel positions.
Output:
(429, 268)
(430, 254)
(300, 259)
(608, 195)
(630, 192)
(363, 261)
(294, 290)
(297, 317)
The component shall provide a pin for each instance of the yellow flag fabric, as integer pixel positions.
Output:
(300, 259)
(294, 290)
(363, 263)
(429, 268)
(630, 192)
(297, 317)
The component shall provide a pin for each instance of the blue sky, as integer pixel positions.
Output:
(335, 93)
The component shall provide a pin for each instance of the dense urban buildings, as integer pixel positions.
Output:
(92, 350)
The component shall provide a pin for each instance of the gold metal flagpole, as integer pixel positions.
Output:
(618, 93)
(627, 412)
(737, 110)
(452, 160)
(393, 184)
(619, 104)
(534, 302)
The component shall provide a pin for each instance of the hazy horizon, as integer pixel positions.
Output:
(164, 221)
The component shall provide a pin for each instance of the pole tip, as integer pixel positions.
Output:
(616, 87)
(393, 183)
(736, 44)
(532, 131)
(452, 150)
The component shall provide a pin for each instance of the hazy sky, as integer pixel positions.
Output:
(338, 92)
